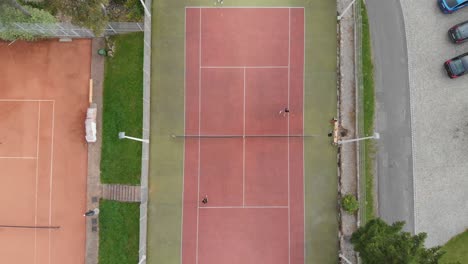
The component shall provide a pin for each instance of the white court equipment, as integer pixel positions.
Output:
(91, 115)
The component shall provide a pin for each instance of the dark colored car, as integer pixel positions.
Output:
(457, 66)
(450, 6)
(459, 32)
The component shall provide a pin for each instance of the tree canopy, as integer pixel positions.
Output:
(377, 242)
(15, 13)
(86, 13)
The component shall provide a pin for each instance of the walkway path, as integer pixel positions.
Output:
(94, 156)
(347, 118)
(122, 193)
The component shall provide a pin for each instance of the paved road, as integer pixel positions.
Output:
(393, 115)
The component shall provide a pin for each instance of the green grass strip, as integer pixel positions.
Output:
(456, 249)
(118, 232)
(369, 104)
(123, 111)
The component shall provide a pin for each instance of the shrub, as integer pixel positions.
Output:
(349, 203)
(135, 10)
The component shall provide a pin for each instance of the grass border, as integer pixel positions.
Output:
(369, 110)
(119, 236)
(123, 111)
(455, 249)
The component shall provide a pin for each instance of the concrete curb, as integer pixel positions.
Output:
(146, 135)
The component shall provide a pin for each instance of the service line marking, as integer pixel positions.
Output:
(243, 150)
(245, 67)
(246, 207)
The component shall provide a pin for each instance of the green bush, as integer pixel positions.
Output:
(349, 203)
(10, 15)
(135, 10)
(39, 4)
(83, 13)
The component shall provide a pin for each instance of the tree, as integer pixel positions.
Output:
(85, 13)
(10, 14)
(377, 242)
(15, 4)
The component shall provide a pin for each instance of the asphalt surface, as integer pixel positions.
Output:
(394, 163)
(439, 122)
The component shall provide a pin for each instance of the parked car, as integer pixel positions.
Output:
(450, 6)
(457, 66)
(459, 32)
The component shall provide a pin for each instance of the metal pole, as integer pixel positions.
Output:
(143, 258)
(345, 259)
(375, 136)
(122, 136)
(346, 9)
(146, 9)
(12, 42)
(138, 139)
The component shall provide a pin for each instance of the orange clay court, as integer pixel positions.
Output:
(43, 154)
(243, 65)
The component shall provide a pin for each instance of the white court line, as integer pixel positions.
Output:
(303, 142)
(245, 207)
(51, 176)
(199, 130)
(26, 100)
(18, 157)
(37, 176)
(289, 81)
(246, 7)
(243, 152)
(183, 154)
(245, 67)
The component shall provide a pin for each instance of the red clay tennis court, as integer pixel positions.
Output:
(43, 155)
(244, 65)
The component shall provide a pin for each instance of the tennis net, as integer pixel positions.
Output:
(245, 136)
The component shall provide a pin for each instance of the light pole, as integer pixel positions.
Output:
(146, 9)
(375, 136)
(345, 259)
(143, 258)
(346, 9)
(122, 136)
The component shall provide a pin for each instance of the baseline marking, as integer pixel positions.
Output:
(247, 7)
(18, 157)
(26, 100)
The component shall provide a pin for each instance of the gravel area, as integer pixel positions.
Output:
(347, 119)
(439, 122)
